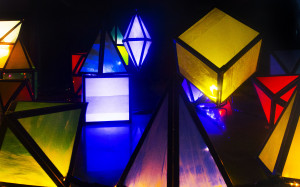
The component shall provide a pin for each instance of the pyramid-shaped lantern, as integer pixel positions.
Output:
(15, 63)
(117, 38)
(174, 149)
(14, 90)
(274, 92)
(285, 62)
(103, 57)
(280, 154)
(35, 151)
(217, 54)
(137, 41)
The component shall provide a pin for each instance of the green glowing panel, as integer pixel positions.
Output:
(124, 54)
(18, 166)
(55, 134)
(34, 105)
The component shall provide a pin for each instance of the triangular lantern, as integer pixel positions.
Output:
(117, 38)
(104, 57)
(280, 153)
(137, 41)
(14, 90)
(37, 151)
(274, 92)
(285, 62)
(172, 149)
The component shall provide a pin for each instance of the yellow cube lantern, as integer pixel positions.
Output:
(217, 54)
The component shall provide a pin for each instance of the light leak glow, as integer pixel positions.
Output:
(4, 53)
(213, 90)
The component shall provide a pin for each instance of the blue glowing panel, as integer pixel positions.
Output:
(196, 92)
(148, 43)
(91, 63)
(275, 68)
(186, 89)
(112, 61)
(108, 99)
(136, 47)
(197, 166)
(145, 30)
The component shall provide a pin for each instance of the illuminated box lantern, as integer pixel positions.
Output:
(15, 62)
(174, 149)
(14, 90)
(77, 62)
(274, 92)
(35, 150)
(217, 54)
(104, 57)
(107, 98)
(285, 62)
(137, 41)
(117, 38)
(280, 154)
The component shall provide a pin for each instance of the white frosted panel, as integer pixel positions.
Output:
(136, 47)
(136, 30)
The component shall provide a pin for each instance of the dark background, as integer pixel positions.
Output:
(53, 30)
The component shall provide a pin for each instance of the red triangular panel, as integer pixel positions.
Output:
(80, 64)
(276, 83)
(75, 59)
(278, 111)
(24, 95)
(288, 94)
(7, 89)
(265, 102)
(77, 82)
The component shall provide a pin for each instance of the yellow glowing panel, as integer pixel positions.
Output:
(18, 166)
(12, 37)
(240, 71)
(6, 26)
(292, 164)
(124, 54)
(218, 37)
(55, 134)
(270, 152)
(17, 59)
(197, 73)
(4, 53)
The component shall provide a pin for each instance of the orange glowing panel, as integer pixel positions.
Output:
(4, 54)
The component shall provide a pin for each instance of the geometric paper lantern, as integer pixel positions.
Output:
(104, 57)
(117, 38)
(15, 62)
(285, 62)
(217, 54)
(107, 98)
(34, 150)
(281, 154)
(274, 92)
(137, 41)
(174, 149)
(14, 90)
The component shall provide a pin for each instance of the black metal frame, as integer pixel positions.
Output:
(173, 92)
(275, 98)
(287, 139)
(103, 34)
(23, 83)
(11, 121)
(126, 39)
(220, 71)
(78, 66)
(281, 64)
(109, 75)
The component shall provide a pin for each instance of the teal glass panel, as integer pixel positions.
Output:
(18, 166)
(91, 63)
(113, 34)
(119, 36)
(112, 61)
(55, 135)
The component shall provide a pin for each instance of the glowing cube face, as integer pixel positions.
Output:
(137, 41)
(274, 93)
(285, 62)
(107, 98)
(217, 54)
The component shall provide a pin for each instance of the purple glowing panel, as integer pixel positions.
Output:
(137, 41)
(108, 99)
(186, 89)
(196, 92)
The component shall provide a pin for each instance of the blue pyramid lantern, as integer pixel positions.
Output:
(137, 41)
